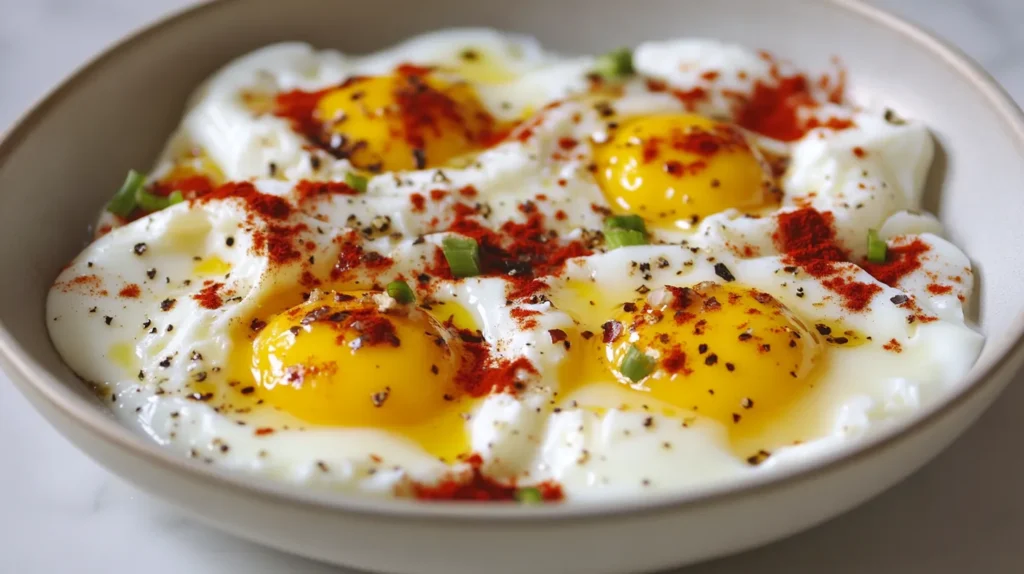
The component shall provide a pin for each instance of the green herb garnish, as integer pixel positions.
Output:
(529, 495)
(615, 238)
(401, 292)
(150, 202)
(636, 365)
(623, 230)
(634, 222)
(615, 64)
(877, 249)
(463, 255)
(356, 181)
(123, 203)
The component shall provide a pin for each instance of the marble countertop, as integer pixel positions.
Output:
(60, 512)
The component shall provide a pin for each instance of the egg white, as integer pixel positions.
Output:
(538, 434)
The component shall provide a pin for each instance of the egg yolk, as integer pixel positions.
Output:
(482, 66)
(342, 361)
(451, 312)
(193, 173)
(408, 120)
(677, 169)
(731, 353)
(211, 265)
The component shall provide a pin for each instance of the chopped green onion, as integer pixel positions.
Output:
(123, 203)
(623, 230)
(876, 247)
(636, 365)
(615, 238)
(529, 495)
(150, 202)
(463, 255)
(356, 181)
(634, 222)
(401, 292)
(615, 64)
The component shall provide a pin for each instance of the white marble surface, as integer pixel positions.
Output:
(60, 512)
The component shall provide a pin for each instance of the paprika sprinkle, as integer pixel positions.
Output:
(478, 487)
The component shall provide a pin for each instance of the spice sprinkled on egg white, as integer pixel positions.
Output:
(463, 268)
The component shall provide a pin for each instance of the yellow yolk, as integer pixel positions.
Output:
(341, 361)
(677, 169)
(460, 317)
(193, 174)
(403, 121)
(348, 363)
(731, 353)
(212, 265)
(481, 67)
(196, 163)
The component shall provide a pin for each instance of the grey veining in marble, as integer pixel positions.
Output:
(60, 512)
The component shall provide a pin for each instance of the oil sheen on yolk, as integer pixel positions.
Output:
(730, 353)
(404, 121)
(348, 364)
(677, 169)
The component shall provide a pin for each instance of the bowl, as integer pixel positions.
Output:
(58, 165)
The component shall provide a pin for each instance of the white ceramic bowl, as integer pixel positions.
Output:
(59, 164)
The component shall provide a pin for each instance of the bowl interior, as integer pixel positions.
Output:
(59, 167)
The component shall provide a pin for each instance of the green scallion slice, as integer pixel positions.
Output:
(634, 222)
(176, 197)
(615, 238)
(615, 64)
(877, 248)
(150, 202)
(529, 495)
(463, 255)
(401, 292)
(123, 203)
(636, 365)
(356, 181)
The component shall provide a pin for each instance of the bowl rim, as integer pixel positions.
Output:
(33, 379)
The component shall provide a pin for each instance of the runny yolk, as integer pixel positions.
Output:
(731, 353)
(193, 174)
(677, 169)
(459, 316)
(341, 361)
(198, 163)
(407, 120)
